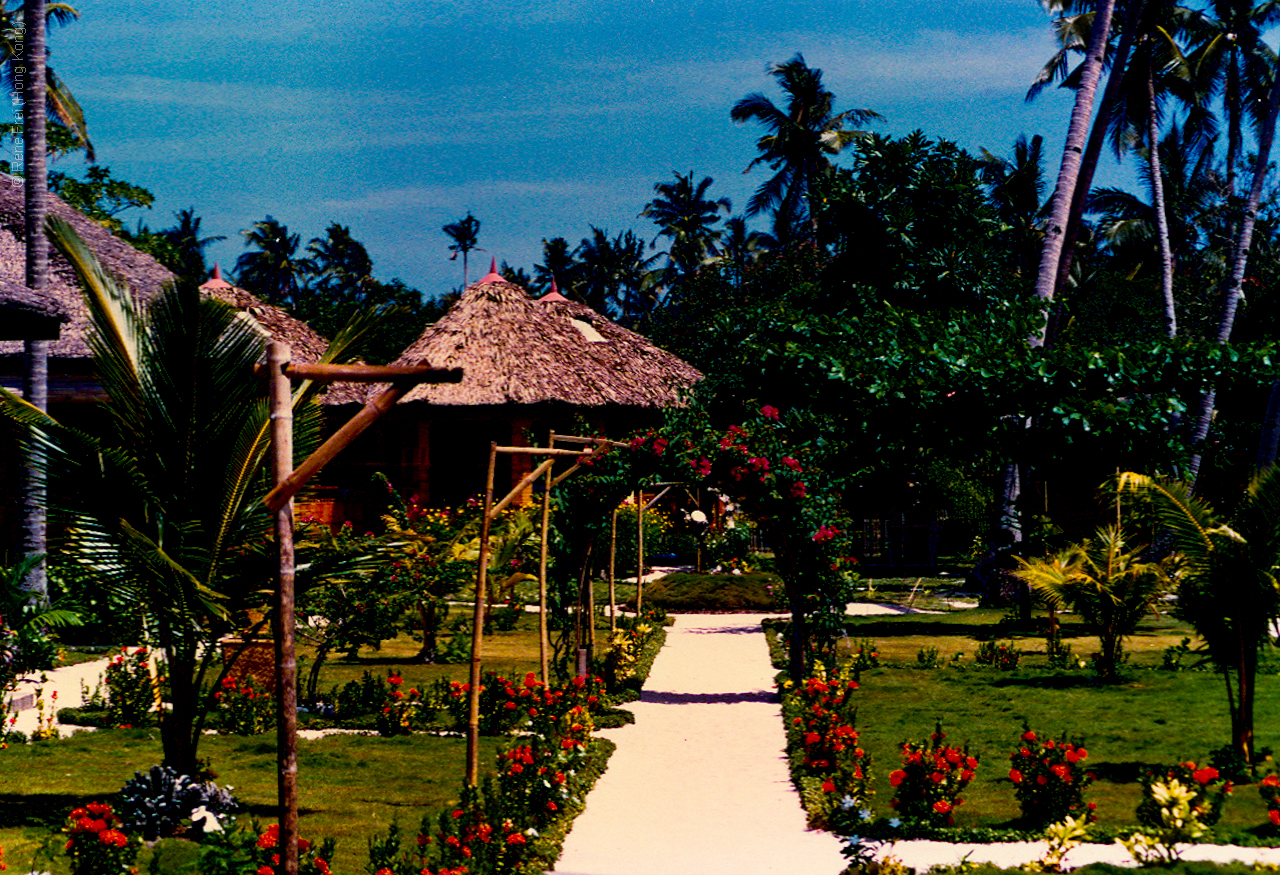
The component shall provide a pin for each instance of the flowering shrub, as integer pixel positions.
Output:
(1209, 792)
(131, 689)
(241, 708)
(96, 843)
(928, 785)
(1049, 780)
(404, 710)
(1269, 787)
(864, 655)
(1002, 655)
(832, 773)
(1176, 822)
(249, 850)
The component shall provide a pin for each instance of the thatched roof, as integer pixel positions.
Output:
(144, 274)
(305, 345)
(515, 350)
(28, 314)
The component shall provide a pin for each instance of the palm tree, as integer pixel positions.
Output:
(740, 248)
(558, 266)
(684, 213)
(160, 508)
(36, 352)
(272, 270)
(1015, 188)
(465, 234)
(17, 42)
(614, 275)
(1228, 589)
(341, 274)
(1106, 582)
(798, 146)
(189, 245)
(1069, 170)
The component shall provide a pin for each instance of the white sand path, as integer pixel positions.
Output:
(67, 683)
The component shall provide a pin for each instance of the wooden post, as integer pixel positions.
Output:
(639, 548)
(477, 633)
(281, 401)
(544, 638)
(613, 554)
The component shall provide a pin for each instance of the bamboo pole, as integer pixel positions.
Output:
(281, 401)
(323, 373)
(544, 638)
(526, 480)
(539, 451)
(613, 555)
(477, 633)
(639, 548)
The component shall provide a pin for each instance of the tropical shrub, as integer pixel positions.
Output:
(1003, 655)
(131, 688)
(927, 657)
(364, 695)
(1208, 792)
(1049, 780)
(863, 654)
(96, 842)
(242, 709)
(927, 786)
(404, 710)
(249, 849)
(1105, 581)
(1174, 821)
(160, 803)
(831, 771)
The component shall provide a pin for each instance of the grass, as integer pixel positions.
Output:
(690, 592)
(351, 787)
(1152, 717)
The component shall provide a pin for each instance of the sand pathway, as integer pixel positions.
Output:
(699, 786)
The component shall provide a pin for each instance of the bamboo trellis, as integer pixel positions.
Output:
(287, 481)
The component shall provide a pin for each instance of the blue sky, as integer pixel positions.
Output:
(542, 118)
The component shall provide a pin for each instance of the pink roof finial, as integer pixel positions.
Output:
(216, 281)
(553, 295)
(493, 276)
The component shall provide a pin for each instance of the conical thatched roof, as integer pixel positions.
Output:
(305, 345)
(144, 274)
(515, 350)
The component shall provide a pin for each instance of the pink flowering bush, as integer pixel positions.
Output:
(1049, 779)
(927, 787)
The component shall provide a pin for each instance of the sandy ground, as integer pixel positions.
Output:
(65, 683)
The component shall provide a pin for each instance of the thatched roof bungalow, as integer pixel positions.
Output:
(529, 367)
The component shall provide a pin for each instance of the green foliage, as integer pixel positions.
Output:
(1107, 582)
(1003, 655)
(1207, 792)
(242, 708)
(100, 196)
(244, 848)
(1049, 780)
(690, 592)
(131, 688)
(927, 786)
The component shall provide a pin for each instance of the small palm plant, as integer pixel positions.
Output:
(1107, 582)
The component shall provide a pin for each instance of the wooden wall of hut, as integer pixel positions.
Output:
(439, 453)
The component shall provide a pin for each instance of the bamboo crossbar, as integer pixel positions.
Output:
(322, 373)
(540, 451)
(575, 439)
(525, 481)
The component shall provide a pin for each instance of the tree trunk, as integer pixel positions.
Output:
(430, 616)
(1235, 285)
(1157, 203)
(1069, 171)
(1093, 150)
(36, 383)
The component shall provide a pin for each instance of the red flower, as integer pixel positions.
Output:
(942, 806)
(896, 777)
(769, 412)
(1015, 776)
(1274, 816)
(828, 787)
(516, 838)
(1028, 736)
(1205, 775)
(113, 837)
(395, 680)
(266, 870)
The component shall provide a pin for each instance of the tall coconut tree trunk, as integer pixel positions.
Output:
(1069, 171)
(1157, 203)
(1093, 149)
(36, 378)
(1235, 283)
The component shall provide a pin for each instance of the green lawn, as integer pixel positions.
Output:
(1152, 717)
